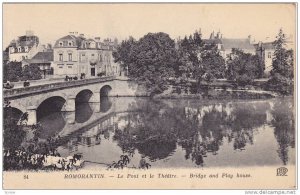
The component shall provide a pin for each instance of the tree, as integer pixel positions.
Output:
(243, 67)
(13, 131)
(282, 75)
(213, 63)
(12, 71)
(199, 60)
(150, 60)
(31, 72)
(123, 53)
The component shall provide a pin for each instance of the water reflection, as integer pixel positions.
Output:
(284, 128)
(83, 112)
(190, 133)
(52, 124)
(105, 104)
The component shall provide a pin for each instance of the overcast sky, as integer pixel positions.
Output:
(52, 21)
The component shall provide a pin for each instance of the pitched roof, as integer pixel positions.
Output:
(210, 41)
(268, 45)
(77, 40)
(41, 57)
(237, 43)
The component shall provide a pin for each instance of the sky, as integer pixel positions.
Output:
(52, 21)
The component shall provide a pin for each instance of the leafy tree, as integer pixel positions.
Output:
(243, 67)
(123, 53)
(12, 71)
(213, 63)
(150, 60)
(200, 61)
(32, 72)
(282, 75)
(13, 131)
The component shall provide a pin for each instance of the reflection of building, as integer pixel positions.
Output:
(74, 55)
(25, 47)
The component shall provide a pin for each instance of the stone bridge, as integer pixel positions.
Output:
(64, 96)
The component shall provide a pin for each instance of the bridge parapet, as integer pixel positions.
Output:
(19, 92)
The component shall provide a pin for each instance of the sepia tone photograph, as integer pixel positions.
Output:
(149, 96)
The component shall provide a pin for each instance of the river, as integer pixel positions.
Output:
(177, 133)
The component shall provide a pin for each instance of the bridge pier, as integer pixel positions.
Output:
(95, 106)
(70, 104)
(70, 117)
(32, 117)
(95, 97)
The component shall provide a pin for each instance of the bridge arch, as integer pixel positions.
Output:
(105, 91)
(83, 110)
(50, 105)
(12, 113)
(105, 101)
(84, 95)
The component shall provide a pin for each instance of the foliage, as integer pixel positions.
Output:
(199, 61)
(282, 75)
(243, 67)
(12, 71)
(31, 72)
(150, 60)
(13, 129)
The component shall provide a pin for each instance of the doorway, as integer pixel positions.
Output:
(92, 71)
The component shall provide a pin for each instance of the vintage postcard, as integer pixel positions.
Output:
(149, 96)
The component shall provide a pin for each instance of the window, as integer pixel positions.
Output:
(93, 54)
(61, 57)
(100, 57)
(60, 43)
(26, 49)
(69, 66)
(60, 65)
(70, 57)
(70, 43)
(19, 49)
(269, 55)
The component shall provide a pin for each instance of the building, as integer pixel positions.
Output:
(265, 50)
(25, 47)
(75, 55)
(226, 45)
(43, 60)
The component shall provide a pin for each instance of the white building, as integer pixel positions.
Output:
(75, 55)
(25, 47)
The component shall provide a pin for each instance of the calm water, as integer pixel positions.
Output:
(178, 133)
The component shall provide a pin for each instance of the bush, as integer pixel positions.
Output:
(244, 80)
(31, 72)
(12, 71)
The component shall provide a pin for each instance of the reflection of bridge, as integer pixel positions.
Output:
(97, 117)
(63, 96)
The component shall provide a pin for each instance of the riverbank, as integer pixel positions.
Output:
(221, 94)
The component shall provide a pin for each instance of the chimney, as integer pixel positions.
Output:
(212, 35)
(29, 33)
(249, 38)
(97, 38)
(81, 35)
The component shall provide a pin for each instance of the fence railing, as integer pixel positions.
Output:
(9, 93)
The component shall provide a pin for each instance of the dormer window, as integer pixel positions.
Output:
(60, 43)
(19, 49)
(12, 50)
(26, 48)
(70, 43)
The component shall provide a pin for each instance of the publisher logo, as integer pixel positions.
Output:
(282, 171)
